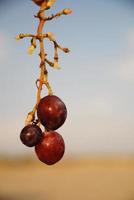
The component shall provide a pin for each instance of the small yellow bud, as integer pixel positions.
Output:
(31, 49)
(50, 3)
(56, 65)
(51, 36)
(18, 37)
(67, 11)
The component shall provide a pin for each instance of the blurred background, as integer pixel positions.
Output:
(96, 82)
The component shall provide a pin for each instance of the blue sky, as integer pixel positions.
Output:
(96, 80)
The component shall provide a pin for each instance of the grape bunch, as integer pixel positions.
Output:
(49, 145)
(50, 111)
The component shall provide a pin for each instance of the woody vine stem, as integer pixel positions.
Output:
(40, 36)
(43, 71)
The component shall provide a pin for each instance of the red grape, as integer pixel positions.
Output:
(51, 148)
(51, 112)
(31, 135)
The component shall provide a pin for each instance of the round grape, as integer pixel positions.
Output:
(51, 149)
(31, 135)
(51, 112)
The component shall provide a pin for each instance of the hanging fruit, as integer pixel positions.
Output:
(49, 111)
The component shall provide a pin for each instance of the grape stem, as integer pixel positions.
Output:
(43, 78)
(43, 71)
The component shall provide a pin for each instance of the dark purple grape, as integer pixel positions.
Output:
(51, 112)
(31, 135)
(51, 148)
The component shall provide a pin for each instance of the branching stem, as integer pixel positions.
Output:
(40, 36)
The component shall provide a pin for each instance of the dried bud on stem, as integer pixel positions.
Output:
(67, 11)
